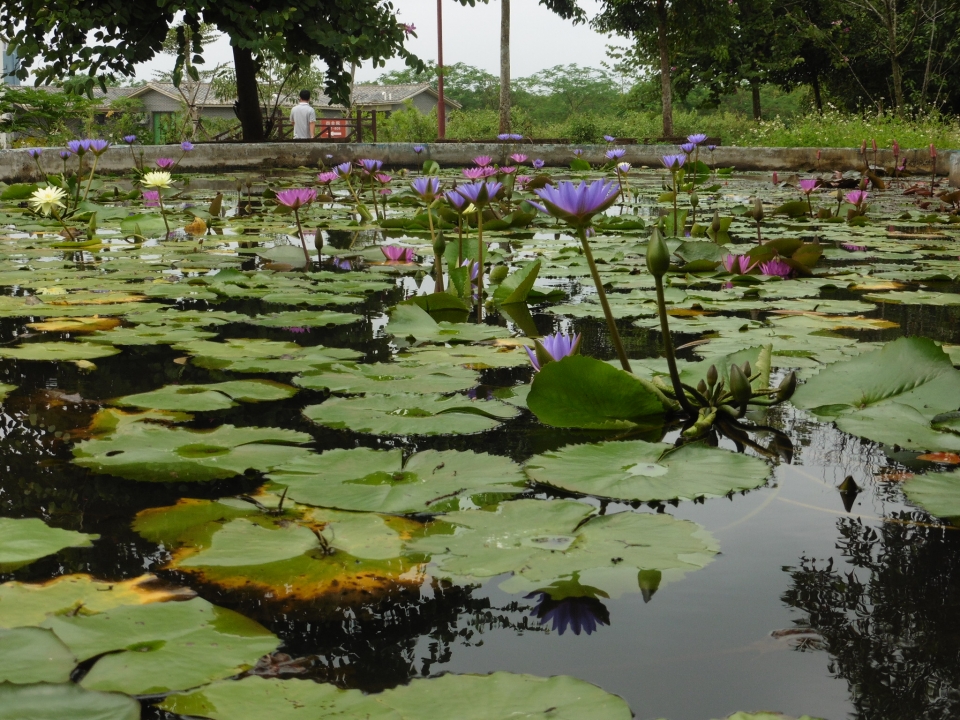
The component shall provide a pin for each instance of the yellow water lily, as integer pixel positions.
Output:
(47, 199)
(156, 179)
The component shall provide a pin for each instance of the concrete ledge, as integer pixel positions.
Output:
(18, 166)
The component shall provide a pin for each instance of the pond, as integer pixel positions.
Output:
(236, 486)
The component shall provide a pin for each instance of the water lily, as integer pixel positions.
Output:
(186, 146)
(688, 148)
(578, 152)
(343, 169)
(64, 154)
(508, 169)
(552, 347)
(576, 204)
(776, 268)
(808, 185)
(296, 197)
(165, 163)
(609, 138)
(480, 193)
(623, 168)
(426, 188)
(615, 154)
(418, 149)
(518, 158)
(474, 173)
(736, 264)
(396, 253)
(325, 178)
(371, 166)
(129, 139)
(156, 179)
(673, 162)
(856, 197)
(580, 614)
(47, 199)
(697, 138)
(78, 147)
(538, 164)
(482, 160)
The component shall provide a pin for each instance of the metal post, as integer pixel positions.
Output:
(441, 105)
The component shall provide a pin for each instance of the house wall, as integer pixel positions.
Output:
(425, 103)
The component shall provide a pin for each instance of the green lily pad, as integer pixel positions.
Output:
(29, 539)
(638, 470)
(5, 390)
(414, 324)
(389, 378)
(894, 423)
(205, 398)
(153, 453)
(63, 701)
(242, 543)
(57, 351)
(475, 357)
(262, 356)
(909, 371)
(33, 655)
(166, 334)
(497, 696)
(379, 481)
(304, 318)
(937, 493)
(544, 541)
(409, 414)
(163, 646)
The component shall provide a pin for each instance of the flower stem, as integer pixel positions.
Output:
(676, 191)
(163, 213)
(480, 266)
(93, 170)
(303, 240)
(668, 349)
(607, 313)
(437, 260)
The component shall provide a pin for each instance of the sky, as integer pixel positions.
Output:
(539, 39)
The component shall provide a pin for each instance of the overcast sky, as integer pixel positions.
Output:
(539, 39)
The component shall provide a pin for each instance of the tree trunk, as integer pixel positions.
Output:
(665, 90)
(505, 66)
(926, 71)
(817, 95)
(247, 106)
(755, 92)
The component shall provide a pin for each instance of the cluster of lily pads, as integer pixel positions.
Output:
(430, 313)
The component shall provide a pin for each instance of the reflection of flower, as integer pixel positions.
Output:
(296, 197)
(297, 330)
(577, 204)
(850, 247)
(151, 198)
(47, 199)
(156, 179)
(566, 604)
(736, 264)
(776, 267)
(396, 253)
(553, 347)
(341, 264)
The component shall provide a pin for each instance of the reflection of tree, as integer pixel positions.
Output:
(890, 619)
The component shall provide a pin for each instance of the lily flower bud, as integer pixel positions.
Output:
(715, 225)
(712, 375)
(739, 386)
(658, 254)
(746, 368)
(702, 387)
(439, 245)
(787, 387)
(694, 199)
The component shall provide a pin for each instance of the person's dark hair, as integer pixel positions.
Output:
(304, 94)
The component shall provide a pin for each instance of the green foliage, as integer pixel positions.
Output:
(408, 125)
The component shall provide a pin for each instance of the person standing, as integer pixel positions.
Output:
(304, 118)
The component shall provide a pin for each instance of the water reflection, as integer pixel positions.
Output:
(568, 605)
(887, 613)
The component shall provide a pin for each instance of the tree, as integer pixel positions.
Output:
(566, 90)
(108, 38)
(473, 88)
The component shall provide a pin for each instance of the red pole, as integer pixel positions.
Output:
(441, 105)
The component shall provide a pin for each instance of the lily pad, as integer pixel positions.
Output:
(262, 356)
(205, 398)
(32, 655)
(414, 324)
(5, 390)
(497, 696)
(389, 378)
(379, 481)
(29, 539)
(543, 541)
(894, 423)
(63, 701)
(57, 351)
(153, 453)
(407, 414)
(937, 493)
(638, 470)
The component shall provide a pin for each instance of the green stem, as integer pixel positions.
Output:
(67, 230)
(93, 170)
(668, 349)
(163, 213)
(437, 260)
(480, 266)
(676, 191)
(303, 240)
(607, 313)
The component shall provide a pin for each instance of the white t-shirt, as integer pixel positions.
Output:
(301, 116)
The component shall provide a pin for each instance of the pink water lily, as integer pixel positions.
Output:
(165, 163)
(776, 268)
(508, 170)
(325, 178)
(856, 197)
(396, 253)
(474, 173)
(553, 347)
(518, 158)
(296, 197)
(151, 198)
(482, 160)
(736, 264)
(808, 185)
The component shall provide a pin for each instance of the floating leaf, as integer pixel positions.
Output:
(75, 324)
(64, 701)
(937, 493)
(410, 414)
(389, 378)
(57, 351)
(262, 356)
(26, 540)
(33, 655)
(205, 398)
(412, 323)
(379, 480)
(643, 471)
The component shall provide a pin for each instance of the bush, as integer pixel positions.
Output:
(407, 125)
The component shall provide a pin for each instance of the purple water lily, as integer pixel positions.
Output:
(396, 253)
(776, 268)
(64, 154)
(186, 146)
(297, 330)
(480, 193)
(296, 197)
(577, 204)
(538, 164)
(341, 264)
(371, 166)
(34, 152)
(577, 152)
(165, 163)
(482, 160)
(623, 168)
(151, 198)
(129, 139)
(509, 136)
(457, 201)
(343, 169)
(99, 147)
(711, 148)
(696, 139)
(427, 188)
(552, 347)
(615, 154)
(609, 138)
(688, 148)
(78, 147)
(856, 197)
(418, 149)
(673, 162)
(736, 264)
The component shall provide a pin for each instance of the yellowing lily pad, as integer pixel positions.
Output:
(75, 324)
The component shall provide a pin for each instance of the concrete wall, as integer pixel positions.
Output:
(17, 165)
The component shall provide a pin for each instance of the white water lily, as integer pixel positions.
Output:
(47, 199)
(156, 179)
